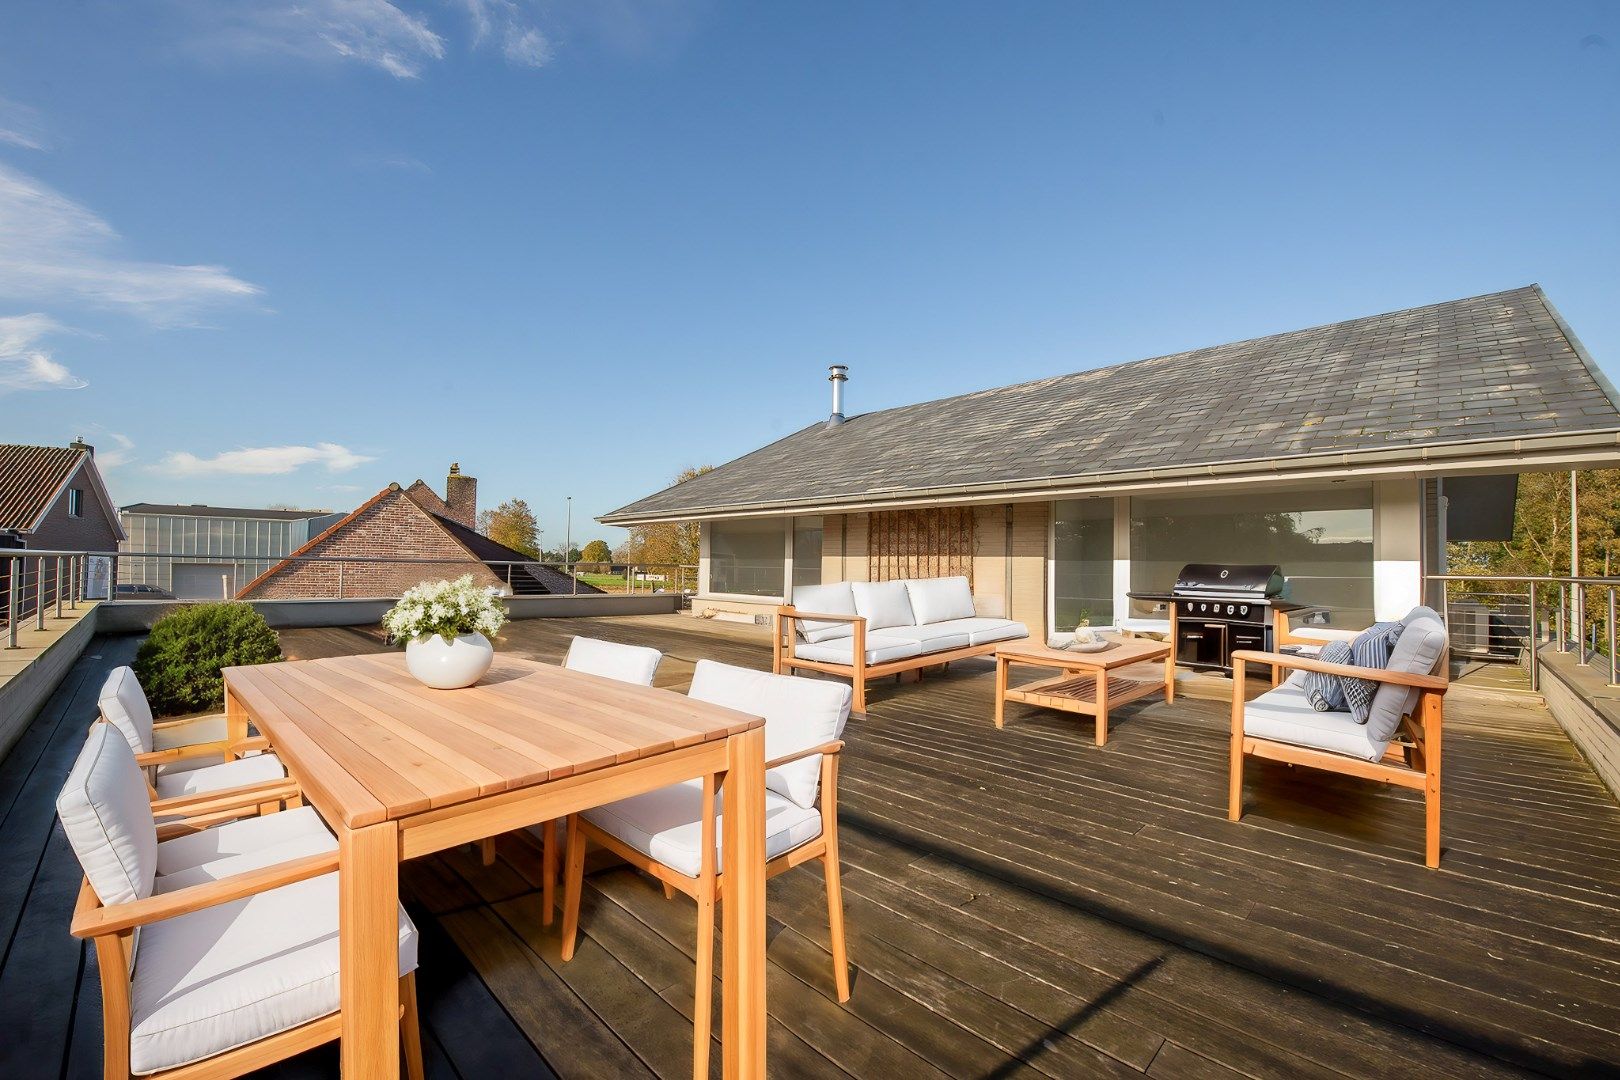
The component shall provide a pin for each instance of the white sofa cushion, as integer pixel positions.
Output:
(611, 660)
(1284, 714)
(1416, 652)
(939, 637)
(258, 769)
(666, 825)
(235, 973)
(239, 846)
(883, 603)
(124, 704)
(984, 631)
(799, 713)
(107, 816)
(879, 650)
(836, 598)
(939, 599)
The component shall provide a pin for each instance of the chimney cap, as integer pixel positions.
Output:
(455, 468)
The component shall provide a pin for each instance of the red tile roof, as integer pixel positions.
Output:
(30, 477)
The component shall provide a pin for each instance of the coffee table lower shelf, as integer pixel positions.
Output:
(1086, 689)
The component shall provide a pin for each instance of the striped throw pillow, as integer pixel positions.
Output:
(1370, 649)
(1323, 691)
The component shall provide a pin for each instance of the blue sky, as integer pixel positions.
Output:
(286, 252)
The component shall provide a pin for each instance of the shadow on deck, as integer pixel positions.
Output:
(1020, 903)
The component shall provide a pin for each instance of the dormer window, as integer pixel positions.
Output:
(75, 502)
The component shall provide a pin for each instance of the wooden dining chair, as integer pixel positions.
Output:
(218, 947)
(614, 660)
(672, 833)
(183, 757)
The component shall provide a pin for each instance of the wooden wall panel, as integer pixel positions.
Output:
(929, 542)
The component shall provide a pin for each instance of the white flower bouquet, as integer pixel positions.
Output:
(446, 608)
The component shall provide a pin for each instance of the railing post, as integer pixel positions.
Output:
(1614, 662)
(1577, 615)
(629, 576)
(1563, 602)
(73, 582)
(39, 592)
(57, 590)
(340, 579)
(11, 602)
(1535, 642)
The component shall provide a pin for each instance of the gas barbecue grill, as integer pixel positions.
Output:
(1217, 609)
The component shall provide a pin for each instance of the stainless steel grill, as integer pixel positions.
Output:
(1216, 609)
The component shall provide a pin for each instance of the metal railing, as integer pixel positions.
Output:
(1512, 617)
(33, 581)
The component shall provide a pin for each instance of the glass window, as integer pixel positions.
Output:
(1082, 563)
(75, 502)
(747, 557)
(807, 551)
(1322, 539)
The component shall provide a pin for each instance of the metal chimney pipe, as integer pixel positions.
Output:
(838, 376)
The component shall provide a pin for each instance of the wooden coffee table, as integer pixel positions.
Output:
(1088, 683)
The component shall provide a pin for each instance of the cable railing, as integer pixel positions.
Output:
(1513, 617)
(34, 584)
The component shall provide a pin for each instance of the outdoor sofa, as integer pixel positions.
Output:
(1399, 741)
(867, 629)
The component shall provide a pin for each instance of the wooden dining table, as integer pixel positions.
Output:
(399, 770)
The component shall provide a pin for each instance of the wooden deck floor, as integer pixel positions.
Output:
(1020, 903)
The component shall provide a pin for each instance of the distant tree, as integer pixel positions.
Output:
(673, 542)
(512, 523)
(596, 551)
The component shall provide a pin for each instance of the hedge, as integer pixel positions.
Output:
(180, 661)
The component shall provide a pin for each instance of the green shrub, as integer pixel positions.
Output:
(179, 663)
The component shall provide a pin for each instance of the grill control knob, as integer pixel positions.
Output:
(1244, 610)
(1230, 609)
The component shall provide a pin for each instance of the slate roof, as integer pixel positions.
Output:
(30, 477)
(198, 510)
(1489, 367)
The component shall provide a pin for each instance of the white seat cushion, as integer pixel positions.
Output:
(936, 600)
(883, 603)
(799, 714)
(836, 598)
(107, 816)
(124, 705)
(1284, 714)
(623, 663)
(879, 650)
(984, 631)
(198, 729)
(939, 637)
(235, 973)
(239, 846)
(1323, 633)
(666, 825)
(258, 769)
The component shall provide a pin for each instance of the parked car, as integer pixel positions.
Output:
(142, 592)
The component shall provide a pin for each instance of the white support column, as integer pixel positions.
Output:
(1397, 547)
(703, 559)
(1122, 558)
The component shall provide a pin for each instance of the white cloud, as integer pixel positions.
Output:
(26, 366)
(505, 22)
(52, 248)
(371, 32)
(264, 460)
(120, 454)
(21, 126)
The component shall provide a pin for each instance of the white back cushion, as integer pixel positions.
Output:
(799, 713)
(123, 703)
(611, 660)
(883, 603)
(836, 598)
(940, 599)
(108, 819)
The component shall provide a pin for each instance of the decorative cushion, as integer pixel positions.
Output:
(235, 973)
(1325, 691)
(879, 650)
(666, 825)
(1416, 652)
(836, 598)
(259, 769)
(611, 660)
(239, 846)
(883, 603)
(982, 631)
(938, 599)
(799, 713)
(1369, 649)
(124, 704)
(1284, 714)
(107, 816)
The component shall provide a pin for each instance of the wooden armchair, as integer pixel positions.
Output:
(670, 833)
(237, 965)
(1281, 725)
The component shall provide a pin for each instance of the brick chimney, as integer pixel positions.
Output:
(461, 495)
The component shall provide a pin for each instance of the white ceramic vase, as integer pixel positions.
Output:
(449, 665)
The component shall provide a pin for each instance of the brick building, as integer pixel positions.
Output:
(52, 498)
(406, 523)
